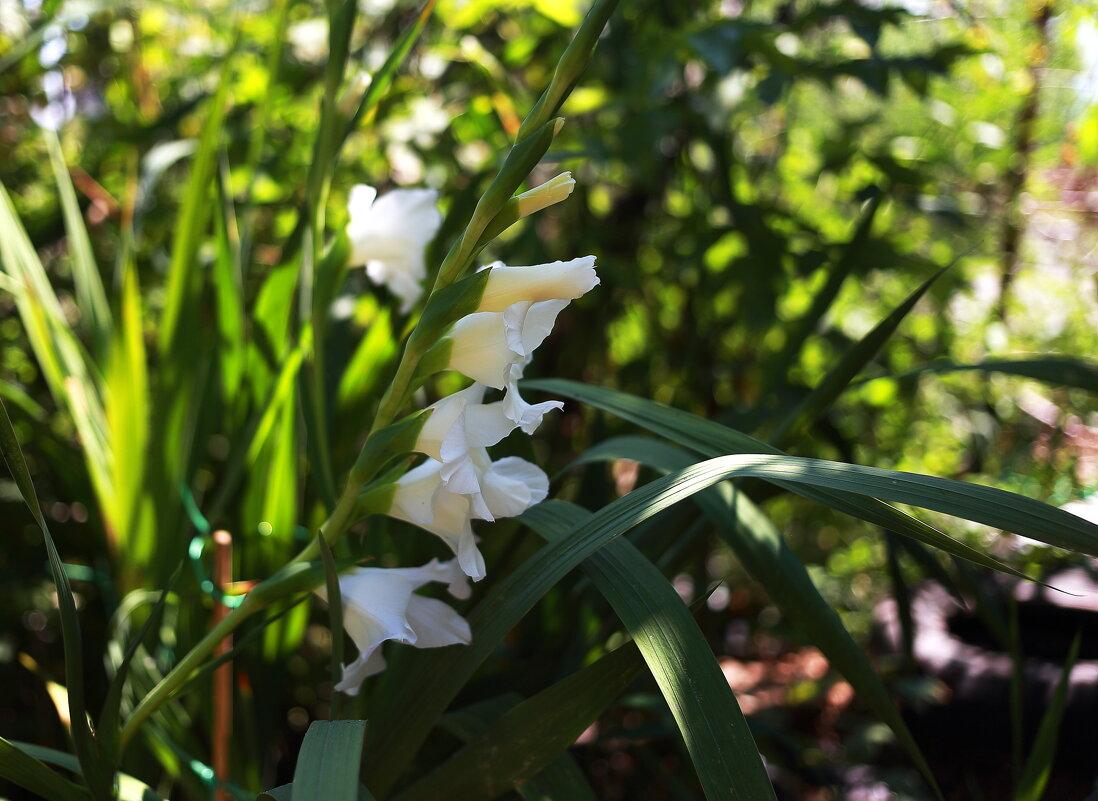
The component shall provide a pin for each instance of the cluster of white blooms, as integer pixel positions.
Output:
(458, 482)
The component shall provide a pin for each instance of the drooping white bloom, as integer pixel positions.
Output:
(381, 604)
(486, 491)
(558, 280)
(389, 235)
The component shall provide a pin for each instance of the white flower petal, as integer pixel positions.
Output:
(487, 424)
(436, 624)
(380, 604)
(559, 280)
(538, 323)
(445, 414)
(414, 499)
(512, 485)
(480, 350)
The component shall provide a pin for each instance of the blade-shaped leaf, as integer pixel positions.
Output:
(97, 773)
(327, 766)
(560, 780)
(526, 739)
(1057, 370)
(824, 394)
(129, 788)
(692, 683)
(111, 715)
(26, 771)
(768, 558)
(95, 313)
(183, 288)
(1038, 766)
(712, 439)
(801, 329)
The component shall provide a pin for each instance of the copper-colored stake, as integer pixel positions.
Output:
(223, 676)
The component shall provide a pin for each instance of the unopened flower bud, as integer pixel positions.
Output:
(552, 191)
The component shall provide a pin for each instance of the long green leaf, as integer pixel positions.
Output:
(1058, 370)
(768, 558)
(1038, 766)
(712, 439)
(327, 767)
(95, 313)
(383, 78)
(714, 728)
(409, 713)
(60, 355)
(184, 285)
(111, 715)
(335, 620)
(777, 367)
(836, 380)
(526, 739)
(96, 772)
(560, 780)
(26, 771)
(129, 788)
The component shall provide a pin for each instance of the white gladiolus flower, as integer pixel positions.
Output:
(460, 426)
(486, 344)
(481, 490)
(389, 235)
(559, 280)
(421, 499)
(381, 604)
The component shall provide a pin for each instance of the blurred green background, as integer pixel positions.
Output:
(761, 183)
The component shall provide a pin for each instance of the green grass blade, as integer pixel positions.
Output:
(560, 780)
(184, 284)
(24, 770)
(97, 773)
(60, 355)
(110, 718)
(1038, 767)
(838, 378)
(1056, 370)
(327, 767)
(129, 788)
(712, 439)
(769, 560)
(335, 621)
(405, 716)
(229, 294)
(716, 733)
(95, 312)
(383, 78)
(130, 516)
(526, 739)
(803, 328)
(410, 712)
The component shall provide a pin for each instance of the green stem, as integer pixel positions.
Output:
(181, 672)
(334, 526)
(259, 598)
